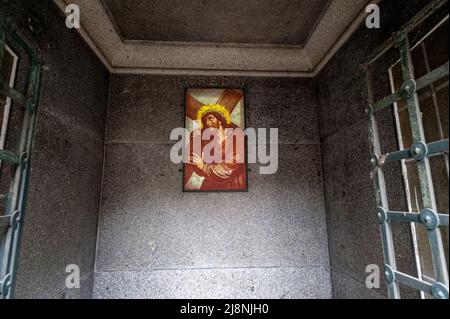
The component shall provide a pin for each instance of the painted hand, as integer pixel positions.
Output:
(197, 160)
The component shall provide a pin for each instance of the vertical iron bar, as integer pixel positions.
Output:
(406, 183)
(27, 142)
(423, 166)
(435, 103)
(3, 240)
(381, 196)
(11, 238)
(2, 53)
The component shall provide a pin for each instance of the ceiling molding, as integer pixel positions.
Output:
(340, 19)
(342, 39)
(94, 42)
(199, 72)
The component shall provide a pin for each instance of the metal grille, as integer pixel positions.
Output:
(11, 220)
(420, 151)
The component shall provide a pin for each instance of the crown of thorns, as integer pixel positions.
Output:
(214, 108)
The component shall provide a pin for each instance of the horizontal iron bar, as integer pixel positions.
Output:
(433, 148)
(433, 76)
(398, 156)
(9, 157)
(443, 220)
(404, 217)
(389, 100)
(424, 81)
(438, 147)
(414, 217)
(413, 282)
(14, 95)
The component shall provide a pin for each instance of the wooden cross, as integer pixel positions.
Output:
(229, 99)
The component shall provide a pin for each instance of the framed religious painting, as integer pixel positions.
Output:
(216, 152)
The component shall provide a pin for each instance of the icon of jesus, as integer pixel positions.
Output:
(226, 171)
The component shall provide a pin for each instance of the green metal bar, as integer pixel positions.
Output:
(414, 218)
(23, 176)
(413, 282)
(10, 243)
(438, 147)
(404, 217)
(432, 149)
(4, 285)
(14, 95)
(389, 256)
(433, 76)
(443, 220)
(9, 29)
(398, 156)
(423, 166)
(2, 54)
(408, 88)
(30, 52)
(389, 100)
(2, 44)
(5, 89)
(9, 157)
(417, 20)
(419, 151)
(381, 195)
(423, 15)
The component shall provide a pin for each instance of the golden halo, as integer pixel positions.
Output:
(213, 107)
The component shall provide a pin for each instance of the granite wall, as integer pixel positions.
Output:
(155, 241)
(61, 215)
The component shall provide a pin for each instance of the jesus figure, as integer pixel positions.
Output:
(228, 172)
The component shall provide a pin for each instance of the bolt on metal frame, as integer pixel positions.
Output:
(420, 151)
(11, 221)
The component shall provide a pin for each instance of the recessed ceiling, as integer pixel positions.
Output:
(218, 37)
(278, 22)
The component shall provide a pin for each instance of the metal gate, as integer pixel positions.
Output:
(420, 151)
(11, 220)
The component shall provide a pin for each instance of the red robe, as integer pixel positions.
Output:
(230, 175)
